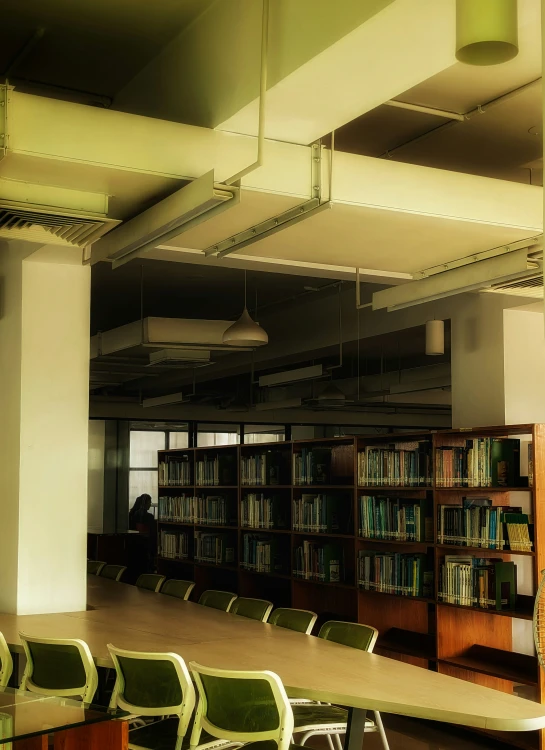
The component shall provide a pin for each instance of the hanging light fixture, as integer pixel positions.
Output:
(435, 337)
(486, 31)
(331, 396)
(245, 331)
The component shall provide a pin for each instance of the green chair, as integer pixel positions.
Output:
(113, 572)
(246, 707)
(301, 620)
(6, 662)
(255, 609)
(323, 719)
(94, 567)
(178, 588)
(59, 667)
(150, 582)
(153, 684)
(217, 599)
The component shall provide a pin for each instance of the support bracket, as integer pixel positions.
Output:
(5, 91)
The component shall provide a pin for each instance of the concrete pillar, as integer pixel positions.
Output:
(498, 364)
(44, 377)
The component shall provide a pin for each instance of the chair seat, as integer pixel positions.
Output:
(308, 715)
(271, 745)
(162, 735)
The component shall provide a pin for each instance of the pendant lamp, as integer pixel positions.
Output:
(435, 337)
(486, 31)
(245, 331)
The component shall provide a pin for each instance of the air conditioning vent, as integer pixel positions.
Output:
(528, 287)
(42, 223)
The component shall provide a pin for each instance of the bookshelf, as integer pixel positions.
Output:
(352, 528)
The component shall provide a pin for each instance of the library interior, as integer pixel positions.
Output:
(278, 475)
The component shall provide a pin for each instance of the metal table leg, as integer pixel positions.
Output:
(356, 729)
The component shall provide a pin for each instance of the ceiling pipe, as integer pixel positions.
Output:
(479, 110)
(425, 110)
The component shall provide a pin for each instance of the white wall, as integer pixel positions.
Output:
(95, 478)
(524, 366)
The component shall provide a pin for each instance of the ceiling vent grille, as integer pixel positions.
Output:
(531, 286)
(49, 225)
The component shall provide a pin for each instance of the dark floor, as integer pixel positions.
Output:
(412, 734)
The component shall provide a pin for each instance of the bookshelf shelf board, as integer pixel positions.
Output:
(324, 534)
(506, 665)
(252, 530)
(398, 640)
(225, 566)
(393, 488)
(315, 487)
(228, 527)
(484, 549)
(260, 447)
(311, 582)
(373, 592)
(521, 614)
(483, 489)
(176, 486)
(176, 523)
(416, 545)
(283, 576)
(265, 486)
(216, 486)
(183, 560)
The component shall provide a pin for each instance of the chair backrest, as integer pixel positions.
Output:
(351, 634)
(150, 581)
(61, 667)
(217, 599)
(301, 620)
(255, 609)
(113, 572)
(153, 684)
(180, 589)
(6, 662)
(241, 706)
(94, 567)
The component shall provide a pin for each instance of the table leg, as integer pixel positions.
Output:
(355, 730)
(107, 735)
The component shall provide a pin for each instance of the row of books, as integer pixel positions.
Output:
(260, 554)
(312, 466)
(215, 470)
(392, 573)
(211, 509)
(175, 546)
(396, 466)
(260, 512)
(487, 583)
(315, 561)
(316, 513)
(394, 519)
(481, 462)
(217, 548)
(175, 472)
(476, 523)
(261, 469)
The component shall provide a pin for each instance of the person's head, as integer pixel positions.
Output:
(146, 501)
(141, 504)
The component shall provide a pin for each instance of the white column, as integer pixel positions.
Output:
(498, 364)
(44, 380)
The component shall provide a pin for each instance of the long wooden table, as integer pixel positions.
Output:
(309, 667)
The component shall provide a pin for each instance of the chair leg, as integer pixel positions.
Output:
(380, 727)
(338, 742)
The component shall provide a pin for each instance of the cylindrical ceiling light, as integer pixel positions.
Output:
(435, 337)
(245, 331)
(486, 31)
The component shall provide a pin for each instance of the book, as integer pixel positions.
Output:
(517, 530)
(480, 462)
(394, 573)
(315, 561)
(396, 465)
(175, 471)
(395, 519)
(175, 546)
(485, 583)
(260, 554)
(262, 469)
(214, 548)
(316, 513)
(312, 466)
(219, 469)
(258, 511)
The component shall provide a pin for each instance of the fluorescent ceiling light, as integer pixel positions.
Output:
(292, 376)
(183, 356)
(471, 277)
(171, 398)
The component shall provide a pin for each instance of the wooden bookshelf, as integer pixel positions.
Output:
(479, 645)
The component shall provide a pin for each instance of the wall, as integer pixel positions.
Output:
(524, 366)
(95, 484)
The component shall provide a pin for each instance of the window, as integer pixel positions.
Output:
(217, 434)
(143, 463)
(263, 433)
